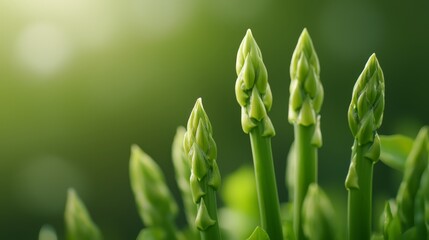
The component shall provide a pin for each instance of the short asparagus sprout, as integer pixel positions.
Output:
(253, 94)
(305, 102)
(205, 178)
(182, 166)
(154, 201)
(79, 225)
(365, 116)
(47, 232)
(318, 215)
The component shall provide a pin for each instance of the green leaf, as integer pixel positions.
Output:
(239, 192)
(259, 234)
(395, 150)
(79, 225)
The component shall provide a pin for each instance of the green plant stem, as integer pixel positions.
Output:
(306, 171)
(212, 232)
(266, 184)
(359, 200)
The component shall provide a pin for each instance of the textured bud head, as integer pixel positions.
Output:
(306, 90)
(251, 88)
(198, 115)
(367, 106)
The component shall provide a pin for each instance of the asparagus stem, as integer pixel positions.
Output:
(205, 179)
(254, 96)
(154, 201)
(265, 181)
(359, 200)
(306, 98)
(365, 116)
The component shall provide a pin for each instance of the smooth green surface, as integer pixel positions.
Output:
(306, 172)
(360, 199)
(266, 184)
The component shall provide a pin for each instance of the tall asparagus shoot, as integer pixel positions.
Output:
(254, 96)
(365, 116)
(306, 98)
(205, 179)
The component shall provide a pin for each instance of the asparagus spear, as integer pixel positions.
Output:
(254, 96)
(155, 203)
(415, 165)
(365, 116)
(205, 179)
(47, 232)
(182, 166)
(306, 98)
(318, 216)
(79, 225)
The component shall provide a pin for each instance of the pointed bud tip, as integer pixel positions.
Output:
(71, 193)
(249, 33)
(305, 36)
(135, 149)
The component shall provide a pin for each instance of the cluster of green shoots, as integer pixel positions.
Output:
(309, 214)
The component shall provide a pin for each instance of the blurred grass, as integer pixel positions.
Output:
(80, 81)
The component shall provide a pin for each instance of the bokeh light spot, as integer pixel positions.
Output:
(42, 48)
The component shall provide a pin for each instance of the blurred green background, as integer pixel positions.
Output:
(80, 81)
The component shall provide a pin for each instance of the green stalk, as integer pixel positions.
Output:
(254, 96)
(200, 147)
(306, 98)
(365, 116)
